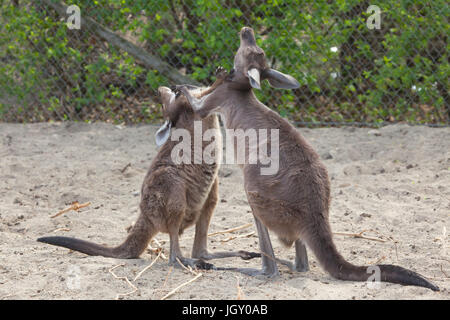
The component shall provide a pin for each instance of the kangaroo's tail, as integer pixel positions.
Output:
(136, 242)
(319, 239)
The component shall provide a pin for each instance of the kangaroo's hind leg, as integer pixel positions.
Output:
(177, 257)
(301, 258)
(200, 247)
(269, 262)
(175, 210)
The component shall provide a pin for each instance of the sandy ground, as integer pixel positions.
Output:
(394, 181)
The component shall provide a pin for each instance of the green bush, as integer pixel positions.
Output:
(397, 73)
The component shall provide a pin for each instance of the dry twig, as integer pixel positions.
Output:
(160, 245)
(231, 230)
(197, 275)
(61, 229)
(378, 261)
(165, 280)
(188, 268)
(75, 206)
(123, 278)
(239, 236)
(442, 270)
(158, 249)
(181, 286)
(240, 295)
(125, 168)
(359, 235)
(395, 246)
(167, 277)
(147, 267)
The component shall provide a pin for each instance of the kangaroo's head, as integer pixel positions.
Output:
(250, 66)
(176, 111)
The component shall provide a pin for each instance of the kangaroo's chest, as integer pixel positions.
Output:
(199, 184)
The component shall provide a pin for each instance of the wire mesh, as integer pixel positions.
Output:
(357, 64)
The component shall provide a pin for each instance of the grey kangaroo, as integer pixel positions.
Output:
(294, 202)
(173, 196)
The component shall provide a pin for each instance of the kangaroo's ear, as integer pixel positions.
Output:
(163, 133)
(280, 80)
(254, 78)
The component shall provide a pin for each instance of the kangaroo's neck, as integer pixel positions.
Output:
(243, 110)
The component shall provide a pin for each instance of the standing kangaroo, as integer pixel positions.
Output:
(294, 202)
(173, 196)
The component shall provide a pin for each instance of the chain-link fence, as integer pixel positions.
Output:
(358, 62)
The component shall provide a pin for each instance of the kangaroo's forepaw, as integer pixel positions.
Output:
(221, 72)
(182, 89)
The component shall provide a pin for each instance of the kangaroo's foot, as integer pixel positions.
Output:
(245, 255)
(193, 263)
